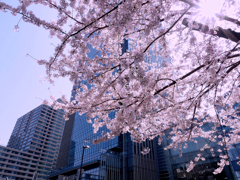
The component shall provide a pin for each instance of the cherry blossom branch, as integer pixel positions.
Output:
(191, 128)
(95, 105)
(134, 32)
(235, 21)
(74, 34)
(181, 78)
(213, 85)
(195, 70)
(167, 29)
(223, 133)
(31, 19)
(233, 66)
(114, 67)
(97, 30)
(174, 105)
(60, 9)
(220, 32)
(231, 90)
(200, 94)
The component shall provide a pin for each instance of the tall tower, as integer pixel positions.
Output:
(116, 159)
(39, 132)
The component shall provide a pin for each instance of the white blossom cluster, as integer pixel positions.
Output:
(198, 86)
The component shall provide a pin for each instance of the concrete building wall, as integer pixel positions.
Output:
(36, 136)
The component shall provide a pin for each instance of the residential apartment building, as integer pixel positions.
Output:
(37, 134)
(16, 164)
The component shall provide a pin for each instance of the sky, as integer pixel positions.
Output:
(20, 74)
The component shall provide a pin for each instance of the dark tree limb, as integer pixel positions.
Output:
(167, 29)
(220, 32)
(85, 27)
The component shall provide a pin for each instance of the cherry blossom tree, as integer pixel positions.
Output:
(195, 83)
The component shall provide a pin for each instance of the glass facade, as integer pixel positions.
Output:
(234, 154)
(121, 158)
(81, 135)
(173, 166)
(118, 158)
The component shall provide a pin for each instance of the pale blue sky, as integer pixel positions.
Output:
(19, 74)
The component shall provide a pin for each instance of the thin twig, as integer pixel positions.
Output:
(167, 29)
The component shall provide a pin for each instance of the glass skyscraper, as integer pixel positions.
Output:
(173, 166)
(121, 159)
(118, 158)
(81, 133)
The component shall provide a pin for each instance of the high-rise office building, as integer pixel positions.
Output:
(121, 158)
(234, 154)
(116, 159)
(39, 133)
(173, 166)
